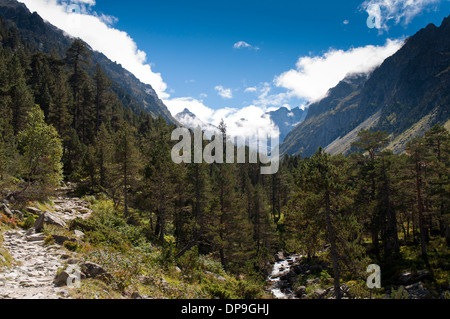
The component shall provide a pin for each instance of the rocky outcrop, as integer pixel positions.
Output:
(48, 219)
(94, 271)
(409, 87)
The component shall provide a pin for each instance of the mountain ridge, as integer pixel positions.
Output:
(45, 37)
(405, 89)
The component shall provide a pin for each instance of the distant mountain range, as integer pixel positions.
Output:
(191, 121)
(283, 118)
(42, 36)
(405, 96)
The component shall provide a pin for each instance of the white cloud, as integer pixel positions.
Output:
(88, 2)
(381, 12)
(243, 44)
(250, 90)
(243, 122)
(223, 92)
(346, 22)
(95, 30)
(314, 76)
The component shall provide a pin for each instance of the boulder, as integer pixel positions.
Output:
(18, 214)
(48, 219)
(5, 209)
(316, 268)
(92, 270)
(280, 256)
(218, 277)
(73, 261)
(405, 277)
(79, 234)
(298, 269)
(61, 279)
(60, 240)
(136, 295)
(319, 293)
(417, 291)
(409, 278)
(30, 232)
(290, 276)
(422, 275)
(35, 237)
(34, 211)
(300, 291)
(310, 282)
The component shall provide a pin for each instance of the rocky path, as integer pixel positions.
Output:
(36, 264)
(36, 268)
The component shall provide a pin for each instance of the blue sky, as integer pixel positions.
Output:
(191, 42)
(233, 59)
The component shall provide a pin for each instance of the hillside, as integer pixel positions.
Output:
(286, 120)
(42, 36)
(408, 94)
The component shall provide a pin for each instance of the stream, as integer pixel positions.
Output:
(280, 279)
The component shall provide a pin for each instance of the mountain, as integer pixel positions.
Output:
(42, 36)
(191, 121)
(405, 96)
(287, 120)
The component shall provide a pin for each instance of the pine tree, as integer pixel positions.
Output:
(102, 85)
(128, 164)
(21, 96)
(417, 152)
(371, 143)
(104, 156)
(8, 151)
(59, 113)
(41, 80)
(41, 151)
(437, 140)
(322, 180)
(159, 177)
(385, 206)
(77, 57)
(86, 119)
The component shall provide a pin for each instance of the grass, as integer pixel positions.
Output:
(6, 260)
(137, 265)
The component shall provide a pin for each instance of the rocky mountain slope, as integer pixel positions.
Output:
(287, 120)
(406, 95)
(42, 36)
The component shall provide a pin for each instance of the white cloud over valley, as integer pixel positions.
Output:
(315, 75)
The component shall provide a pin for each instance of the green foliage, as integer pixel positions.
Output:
(29, 222)
(41, 151)
(399, 293)
(71, 246)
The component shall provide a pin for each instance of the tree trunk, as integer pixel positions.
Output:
(334, 255)
(420, 210)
